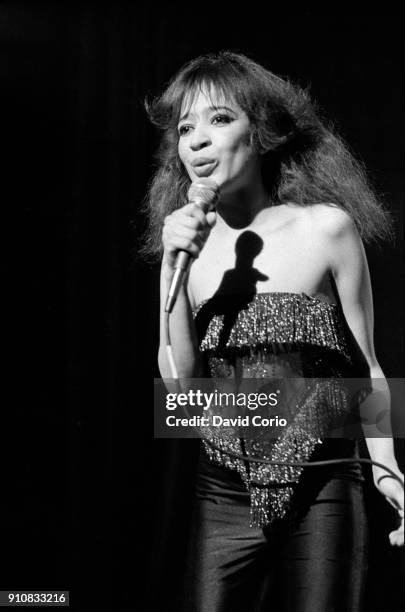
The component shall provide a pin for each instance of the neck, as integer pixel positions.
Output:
(239, 208)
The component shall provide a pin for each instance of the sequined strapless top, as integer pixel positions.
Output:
(288, 336)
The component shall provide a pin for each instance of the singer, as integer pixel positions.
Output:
(278, 287)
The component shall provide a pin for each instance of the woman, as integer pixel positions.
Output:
(294, 202)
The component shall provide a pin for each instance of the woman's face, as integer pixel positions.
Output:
(214, 141)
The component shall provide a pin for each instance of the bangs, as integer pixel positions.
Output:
(220, 88)
(223, 78)
(218, 92)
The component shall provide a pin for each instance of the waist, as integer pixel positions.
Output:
(218, 474)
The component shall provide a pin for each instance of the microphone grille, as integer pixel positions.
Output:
(204, 192)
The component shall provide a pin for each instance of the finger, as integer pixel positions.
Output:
(201, 238)
(182, 243)
(174, 237)
(191, 222)
(179, 217)
(397, 537)
(192, 210)
(211, 218)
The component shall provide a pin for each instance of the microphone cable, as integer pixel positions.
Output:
(303, 464)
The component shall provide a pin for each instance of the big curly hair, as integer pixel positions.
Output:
(303, 160)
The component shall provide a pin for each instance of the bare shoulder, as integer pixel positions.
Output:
(330, 220)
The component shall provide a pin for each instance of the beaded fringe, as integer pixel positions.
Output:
(259, 335)
(277, 318)
(268, 505)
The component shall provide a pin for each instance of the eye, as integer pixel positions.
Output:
(221, 119)
(184, 129)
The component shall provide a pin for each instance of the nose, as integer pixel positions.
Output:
(200, 138)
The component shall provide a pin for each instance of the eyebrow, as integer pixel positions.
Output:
(209, 108)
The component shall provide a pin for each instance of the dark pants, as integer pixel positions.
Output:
(316, 563)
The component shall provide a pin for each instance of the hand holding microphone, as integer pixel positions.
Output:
(186, 230)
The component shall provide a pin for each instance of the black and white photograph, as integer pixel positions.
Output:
(203, 308)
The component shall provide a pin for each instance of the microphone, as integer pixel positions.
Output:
(205, 193)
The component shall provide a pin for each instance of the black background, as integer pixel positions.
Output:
(90, 501)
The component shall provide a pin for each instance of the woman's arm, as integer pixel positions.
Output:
(349, 267)
(182, 331)
(185, 229)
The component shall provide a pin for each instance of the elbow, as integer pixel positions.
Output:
(187, 367)
(375, 370)
(164, 368)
